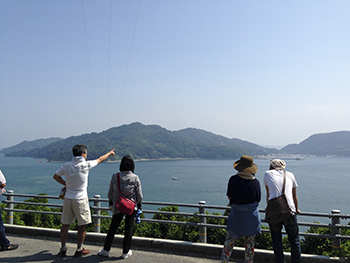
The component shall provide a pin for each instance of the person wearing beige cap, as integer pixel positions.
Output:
(4, 242)
(276, 180)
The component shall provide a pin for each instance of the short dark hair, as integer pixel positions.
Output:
(127, 164)
(79, 149)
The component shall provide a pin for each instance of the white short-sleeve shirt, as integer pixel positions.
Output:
(76, 173)
(2, 181)
(274, 180)
(2, 178)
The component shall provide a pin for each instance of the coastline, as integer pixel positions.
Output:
(159, 159)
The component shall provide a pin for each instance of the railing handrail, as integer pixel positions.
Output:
(335, 215)
(216, 207)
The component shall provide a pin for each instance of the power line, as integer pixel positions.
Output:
(128, 62)
(109, 57)
(89, 64)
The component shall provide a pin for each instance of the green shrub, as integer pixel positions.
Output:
(324, 246)
(34, 219)
(315, 245)
(310, 245)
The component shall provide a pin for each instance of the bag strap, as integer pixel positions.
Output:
(284, 182)
(118, 181)
(120, 192)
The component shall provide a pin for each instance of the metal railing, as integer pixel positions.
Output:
(201, 212)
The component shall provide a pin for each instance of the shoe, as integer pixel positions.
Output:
(124, 256)
(62, 253)
(82, 252)
(10, 247)
(103, 253)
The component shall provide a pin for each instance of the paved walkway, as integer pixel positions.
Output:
(42, 245)
(45, 249)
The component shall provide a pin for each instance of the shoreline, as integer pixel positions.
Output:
(298, 157)
(159, 159)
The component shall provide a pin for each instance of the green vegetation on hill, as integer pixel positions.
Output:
(323, 144)
(29, 145)
(154, 142)
(148, 142)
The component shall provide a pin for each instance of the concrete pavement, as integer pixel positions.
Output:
(42, 245)
(45, 249)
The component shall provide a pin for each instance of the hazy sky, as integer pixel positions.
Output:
(270, 72)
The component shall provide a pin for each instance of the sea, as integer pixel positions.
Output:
(323, 182)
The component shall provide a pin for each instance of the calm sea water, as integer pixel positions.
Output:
(323, 182)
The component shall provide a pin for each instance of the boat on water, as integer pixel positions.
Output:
(41, 161)
(175, 178)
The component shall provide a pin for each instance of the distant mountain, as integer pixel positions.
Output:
(29, 145)
(323, 144)
(149, 142)
(200, 136)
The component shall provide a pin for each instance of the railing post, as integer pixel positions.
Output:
(202, 220)
(10, 207)
(336, 231)
(97, 212)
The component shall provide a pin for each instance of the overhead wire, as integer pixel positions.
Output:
(128, 61)
(89, 64)
(109, 59)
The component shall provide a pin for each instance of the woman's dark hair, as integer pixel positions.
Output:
(79, 149)
(127, 164)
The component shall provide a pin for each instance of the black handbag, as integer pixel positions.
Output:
(278, 209)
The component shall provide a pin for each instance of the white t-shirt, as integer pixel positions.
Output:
(274, 180)
(2, 181)
(76, 173)
(2, 178)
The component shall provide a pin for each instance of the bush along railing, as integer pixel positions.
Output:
(332, 239)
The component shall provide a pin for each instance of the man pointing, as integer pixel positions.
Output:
(76, 201)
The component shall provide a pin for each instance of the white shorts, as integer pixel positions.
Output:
(76, 208)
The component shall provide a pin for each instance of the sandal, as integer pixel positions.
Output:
(82, 252)
(11, 247)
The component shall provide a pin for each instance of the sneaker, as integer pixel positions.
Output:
(103, 253)
(82, 252)
(62, 253)
(124, 256)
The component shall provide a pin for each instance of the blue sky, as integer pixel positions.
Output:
(269, 72)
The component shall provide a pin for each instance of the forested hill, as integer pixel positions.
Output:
(148, 142)
(29, 145)
(323, 144)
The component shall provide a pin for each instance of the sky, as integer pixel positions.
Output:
(269, 72)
